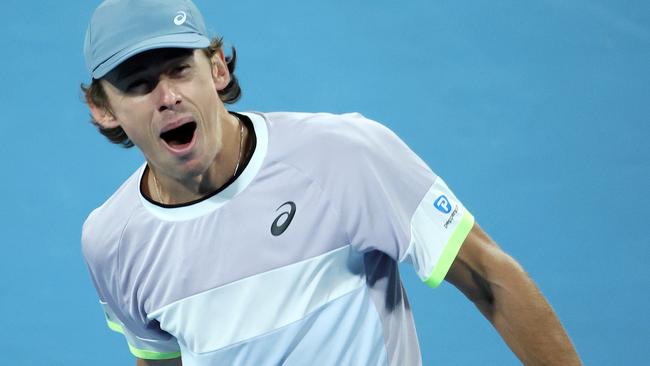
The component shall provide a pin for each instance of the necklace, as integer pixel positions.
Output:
(241, 145)
(155, 183)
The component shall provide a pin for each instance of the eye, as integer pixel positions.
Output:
(179, 70)
(140, 86)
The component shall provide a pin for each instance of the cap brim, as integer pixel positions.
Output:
(181, 40)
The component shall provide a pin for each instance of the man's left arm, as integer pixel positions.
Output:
(509, 299)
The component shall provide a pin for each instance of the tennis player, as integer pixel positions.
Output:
(251, 238)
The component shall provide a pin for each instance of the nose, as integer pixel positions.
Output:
(168, 95)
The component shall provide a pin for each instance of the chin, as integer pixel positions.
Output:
(194, 169)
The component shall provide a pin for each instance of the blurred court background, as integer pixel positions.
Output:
(536, 114)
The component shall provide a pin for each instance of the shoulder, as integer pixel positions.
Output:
(348, 127)
(102, 229)
(335, 135)
(344, 152)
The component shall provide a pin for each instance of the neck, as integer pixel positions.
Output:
(226, 164)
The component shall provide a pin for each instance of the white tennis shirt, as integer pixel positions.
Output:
(294, 263)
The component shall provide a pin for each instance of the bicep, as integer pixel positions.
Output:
(172, 362)
(479, 268)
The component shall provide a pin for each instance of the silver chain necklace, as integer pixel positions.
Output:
(241, 145)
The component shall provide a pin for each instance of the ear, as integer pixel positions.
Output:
(102, 116)
(220, 72)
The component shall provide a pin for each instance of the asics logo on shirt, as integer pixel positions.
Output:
(180, 18)
(281, 223)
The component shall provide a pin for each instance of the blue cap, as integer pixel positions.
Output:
(120, 29)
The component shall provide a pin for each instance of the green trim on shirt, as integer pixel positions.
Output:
(451, 250)
(114, 326)
(153, 355)
(144, 354)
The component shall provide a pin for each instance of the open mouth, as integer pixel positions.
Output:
(180, 136)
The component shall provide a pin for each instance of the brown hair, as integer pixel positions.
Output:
(95, 94)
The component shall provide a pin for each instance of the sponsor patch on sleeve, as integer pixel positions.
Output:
(438, 228)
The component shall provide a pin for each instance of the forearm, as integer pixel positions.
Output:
(525, 320)
(509, 299)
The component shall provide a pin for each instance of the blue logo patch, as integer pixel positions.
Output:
(442, 204)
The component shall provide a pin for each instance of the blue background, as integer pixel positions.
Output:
(535, 113)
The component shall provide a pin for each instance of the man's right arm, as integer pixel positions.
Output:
(172, 362)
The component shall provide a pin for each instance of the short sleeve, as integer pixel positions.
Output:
(156, 346)
(438, 228)
(144, 337)
(391, 201)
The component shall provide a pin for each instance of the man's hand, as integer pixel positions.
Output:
(509, 299)
(173, 362)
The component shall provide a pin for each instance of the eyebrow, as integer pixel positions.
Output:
(131, 72)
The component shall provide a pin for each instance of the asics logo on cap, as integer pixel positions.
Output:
(180, 18)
